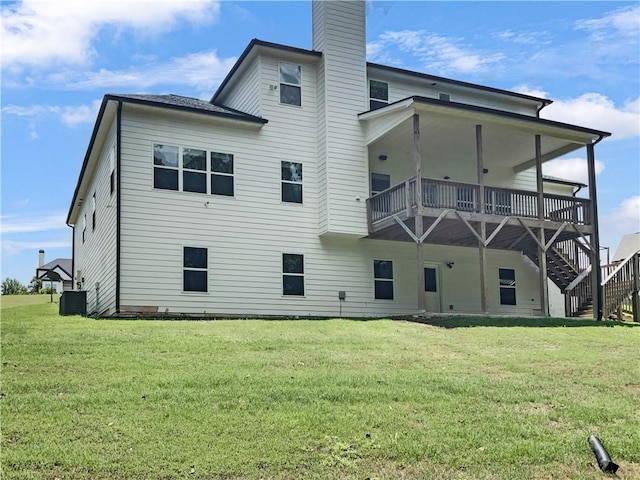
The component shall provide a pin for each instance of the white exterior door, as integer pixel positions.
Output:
(432, 287)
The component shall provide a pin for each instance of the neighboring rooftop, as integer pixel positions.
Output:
(630, 243)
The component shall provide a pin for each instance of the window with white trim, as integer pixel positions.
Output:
(292, 274)
(222, 174)
(290, 84)
(166, 167)
(195, 269)
(383, 279)
(291, 177)
(192, 170)
(507, 280)
(378, 94)
(84, 227)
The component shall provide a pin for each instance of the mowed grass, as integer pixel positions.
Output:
(461, 398)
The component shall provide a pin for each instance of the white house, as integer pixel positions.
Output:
(293, 193)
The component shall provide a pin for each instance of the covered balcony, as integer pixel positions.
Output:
(471, 176)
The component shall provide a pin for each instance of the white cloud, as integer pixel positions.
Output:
(625, 218)
(82, 114)
(69, 115)
(36, 32)
(435, 52)
(525, 38)
(593, 110)
(571, 169)
(202, 71)
(17, 224)
(13, 248)
(623, 21)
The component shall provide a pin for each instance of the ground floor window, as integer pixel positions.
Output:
(507, 279)
(195, 267)
(292, 274)
(383, 279)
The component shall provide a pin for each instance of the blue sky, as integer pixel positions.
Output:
(60, 58)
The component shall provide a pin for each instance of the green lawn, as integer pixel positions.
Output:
(460, 398)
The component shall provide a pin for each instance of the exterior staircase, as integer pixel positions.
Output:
(568, 267)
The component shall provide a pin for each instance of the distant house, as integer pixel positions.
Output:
(315, 183)
(629, 244)
(56, 274)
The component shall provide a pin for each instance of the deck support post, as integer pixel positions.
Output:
(482, 250)
(596, 271)
(542, 252)
(419, 225)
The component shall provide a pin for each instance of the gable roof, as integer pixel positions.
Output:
(64, 264)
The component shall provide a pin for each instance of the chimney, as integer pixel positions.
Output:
(40, 258)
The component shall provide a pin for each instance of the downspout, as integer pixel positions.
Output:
(118, 200)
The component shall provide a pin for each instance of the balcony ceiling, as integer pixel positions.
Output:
(449, 135)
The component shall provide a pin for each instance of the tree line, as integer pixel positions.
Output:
(11, 286)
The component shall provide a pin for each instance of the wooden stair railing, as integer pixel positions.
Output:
(621, 285)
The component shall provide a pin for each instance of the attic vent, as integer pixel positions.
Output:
(445, 97)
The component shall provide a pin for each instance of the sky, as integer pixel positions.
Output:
(60, 58)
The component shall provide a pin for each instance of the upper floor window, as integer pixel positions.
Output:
(189, 170)
(383, 279)
(194, 173)
(195, 267)
(507, 278)
(379, 182)
(222, 173)
(93, 212)
(291, 175)
(84, 227)
(165, 171)
(290, 84)
(378, 94)
(112, 169)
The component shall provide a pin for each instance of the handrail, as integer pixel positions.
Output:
(620, 266)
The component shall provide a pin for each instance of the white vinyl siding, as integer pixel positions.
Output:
(405, 86)
(343, 164)
(95, 259)
(245, 96)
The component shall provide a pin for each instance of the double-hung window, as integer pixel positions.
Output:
(222, 174)
(84, 227)
(292, 274)
(383, 279)
(507, 279)
(378, 94)
(195, 268)
(194, 170)
(291, 176)
(166, 166)
(290, 84)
